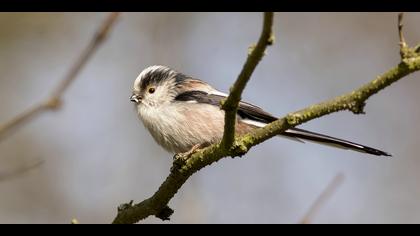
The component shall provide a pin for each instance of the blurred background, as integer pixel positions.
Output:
(96, 154)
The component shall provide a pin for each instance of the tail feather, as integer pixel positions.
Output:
(301, 134)
(331, 141)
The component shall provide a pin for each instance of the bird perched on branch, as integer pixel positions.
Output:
(183, 113)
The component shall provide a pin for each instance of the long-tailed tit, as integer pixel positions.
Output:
(182, 112)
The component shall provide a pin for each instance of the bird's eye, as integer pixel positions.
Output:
(151, 90)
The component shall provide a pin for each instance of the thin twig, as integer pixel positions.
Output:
(406, 52)
(180, 172)
(55, 100)
(230, 105)
(6, 175)
(321, 200)
(402, 42)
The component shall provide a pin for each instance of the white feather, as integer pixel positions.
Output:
(262, 124)
(254, 123)
(216, 92)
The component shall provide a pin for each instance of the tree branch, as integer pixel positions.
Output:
(230, 105)
(182, 170)
(55, 100)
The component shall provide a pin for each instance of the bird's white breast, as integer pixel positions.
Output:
(179, 126)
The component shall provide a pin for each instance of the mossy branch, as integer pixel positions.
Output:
(182, 169)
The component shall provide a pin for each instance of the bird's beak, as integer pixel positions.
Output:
(135, 98)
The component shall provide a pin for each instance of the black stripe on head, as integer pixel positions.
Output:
(156, 76)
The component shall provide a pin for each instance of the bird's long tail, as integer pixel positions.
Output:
(301, 134)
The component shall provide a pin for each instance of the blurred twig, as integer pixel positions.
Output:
(320, 201)
(74, 221)
(55, 100)
(6, 175)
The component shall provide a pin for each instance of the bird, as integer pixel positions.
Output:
(183, 113)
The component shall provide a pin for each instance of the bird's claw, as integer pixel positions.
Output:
(181, 158)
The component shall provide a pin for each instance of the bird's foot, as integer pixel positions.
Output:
(181, 158)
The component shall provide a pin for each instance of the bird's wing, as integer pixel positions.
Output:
(245, 110)
(255, 116)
